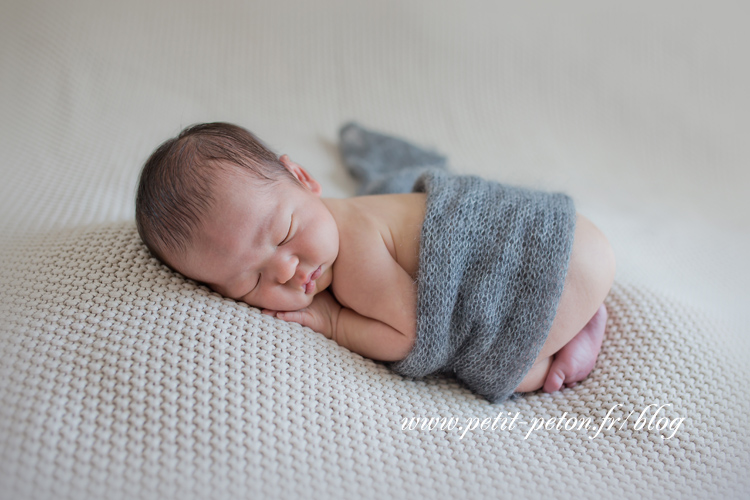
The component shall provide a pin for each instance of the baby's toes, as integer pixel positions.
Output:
(555, 379)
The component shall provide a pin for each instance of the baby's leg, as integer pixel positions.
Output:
(570, 364)
(576, 359)
(575, 337)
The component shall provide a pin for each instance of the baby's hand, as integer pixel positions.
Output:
(322, 315)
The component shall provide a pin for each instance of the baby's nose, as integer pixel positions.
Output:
(288, 270)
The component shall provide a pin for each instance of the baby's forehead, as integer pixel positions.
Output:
(242, 205)
(234, 179)
(226, 176)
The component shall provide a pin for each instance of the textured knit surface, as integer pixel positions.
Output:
(119, 379)
(382, 163)
(492, 263)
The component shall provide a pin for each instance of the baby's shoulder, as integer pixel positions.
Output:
(403, 214)
(369, 271)
(363, 228)
(372, 224)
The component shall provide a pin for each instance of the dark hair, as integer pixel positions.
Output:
(175, 185)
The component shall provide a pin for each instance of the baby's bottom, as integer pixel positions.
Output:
(572, 363)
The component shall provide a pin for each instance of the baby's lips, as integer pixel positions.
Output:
(312, 276)
(309, 285)
(316, 274)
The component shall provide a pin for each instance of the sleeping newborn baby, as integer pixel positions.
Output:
(219, 207)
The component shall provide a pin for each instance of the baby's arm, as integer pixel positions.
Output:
(377, 315)
(367, 336)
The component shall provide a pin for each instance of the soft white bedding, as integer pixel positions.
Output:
(119, 379)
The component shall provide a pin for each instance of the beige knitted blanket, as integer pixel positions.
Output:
(120, 379)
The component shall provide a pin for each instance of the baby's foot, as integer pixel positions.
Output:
(577, 358)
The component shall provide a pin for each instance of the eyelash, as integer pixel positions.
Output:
(286, 238)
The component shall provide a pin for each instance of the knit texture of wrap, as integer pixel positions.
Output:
(492, 263)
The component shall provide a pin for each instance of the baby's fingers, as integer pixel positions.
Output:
(304, 317)
(300, 317)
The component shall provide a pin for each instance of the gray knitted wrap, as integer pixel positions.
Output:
(492, 264)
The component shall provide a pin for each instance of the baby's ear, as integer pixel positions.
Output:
(301, 175)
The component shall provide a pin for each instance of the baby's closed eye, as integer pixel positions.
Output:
(289, 232)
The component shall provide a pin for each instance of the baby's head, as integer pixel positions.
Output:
(212, 203)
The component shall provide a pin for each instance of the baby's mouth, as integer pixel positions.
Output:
(309, 285)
